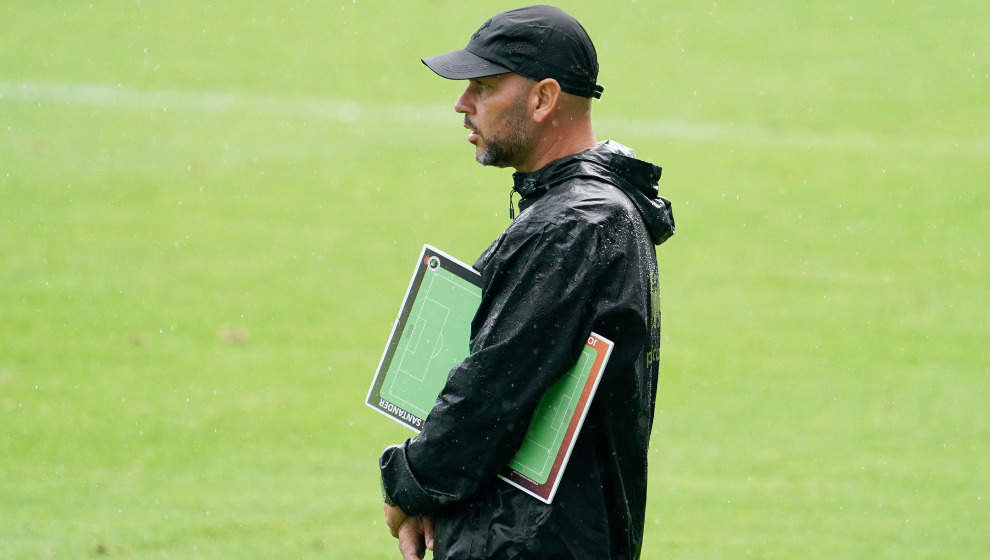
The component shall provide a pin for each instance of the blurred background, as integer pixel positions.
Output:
(209, 213)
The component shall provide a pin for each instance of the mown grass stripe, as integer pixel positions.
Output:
(349, 111)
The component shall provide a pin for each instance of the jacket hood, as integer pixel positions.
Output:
(615, 164)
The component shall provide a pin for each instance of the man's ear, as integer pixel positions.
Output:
(544, 98)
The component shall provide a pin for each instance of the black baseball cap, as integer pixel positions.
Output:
(536, 42)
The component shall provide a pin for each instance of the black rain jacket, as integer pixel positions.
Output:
(579, 258)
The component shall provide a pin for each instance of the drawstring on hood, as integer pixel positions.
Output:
(613, 163)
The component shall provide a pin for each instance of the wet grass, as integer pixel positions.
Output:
(194, 296)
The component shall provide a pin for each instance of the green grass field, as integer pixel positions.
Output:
(208, 215)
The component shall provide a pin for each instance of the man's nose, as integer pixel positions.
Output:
(464, 103)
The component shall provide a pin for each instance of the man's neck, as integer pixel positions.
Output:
(557, 145)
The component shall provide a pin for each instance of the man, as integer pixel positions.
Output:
(578, 258)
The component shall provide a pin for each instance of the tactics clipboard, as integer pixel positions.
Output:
(430, 337)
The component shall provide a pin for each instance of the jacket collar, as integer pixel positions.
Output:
(607, 158)
(535, 184)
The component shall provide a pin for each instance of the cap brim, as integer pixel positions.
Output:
(462, 65)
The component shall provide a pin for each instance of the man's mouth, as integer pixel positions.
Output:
(473, 137)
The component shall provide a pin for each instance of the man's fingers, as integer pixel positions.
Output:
(428, 531)
(394, 518)
(415, 533)
(411, 544)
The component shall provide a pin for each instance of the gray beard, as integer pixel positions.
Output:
(508, 148)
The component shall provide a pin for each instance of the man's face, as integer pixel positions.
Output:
(495, 111)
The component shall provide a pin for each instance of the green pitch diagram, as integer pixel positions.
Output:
(433, 341)
(548, 427)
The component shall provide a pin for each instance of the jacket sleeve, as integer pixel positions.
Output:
(533, 320)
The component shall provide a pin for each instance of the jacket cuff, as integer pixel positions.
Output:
(385, 497)
(399, 485)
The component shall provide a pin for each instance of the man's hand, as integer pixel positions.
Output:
(415, 533)
(394, 516)
(412, 542)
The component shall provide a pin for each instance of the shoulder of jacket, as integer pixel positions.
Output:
(591, 199)
(576, 207)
